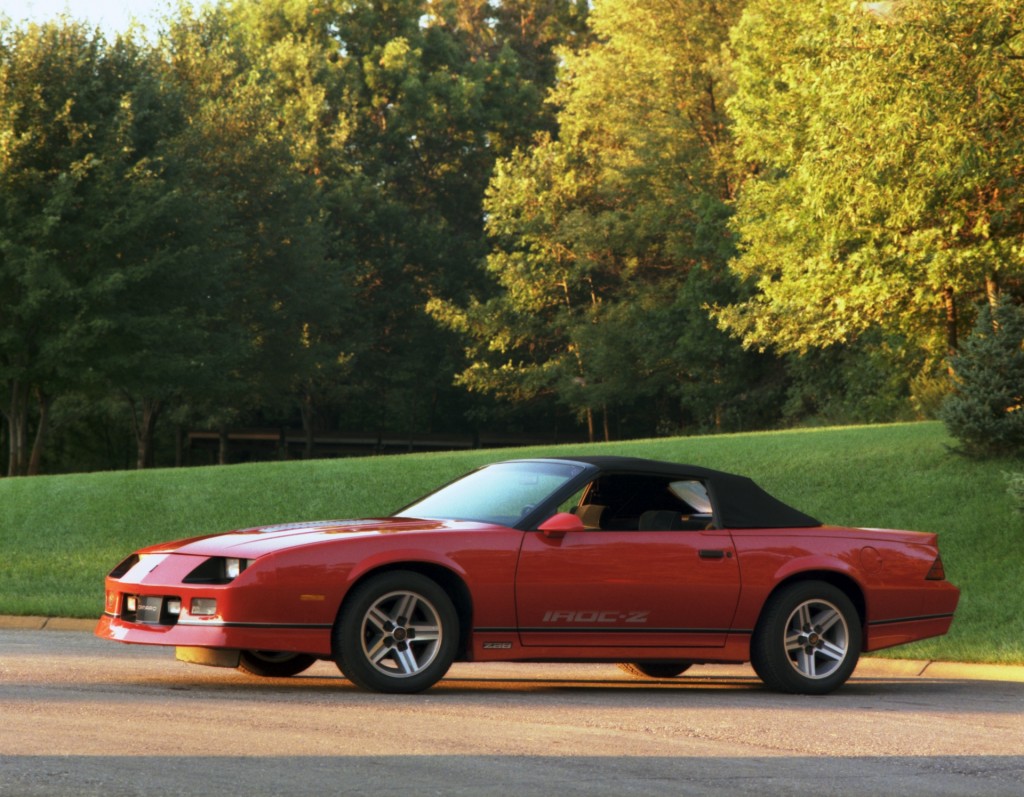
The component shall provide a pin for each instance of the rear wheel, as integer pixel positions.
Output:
(274, 664)
(398, 632)
(807, 640)
(656, 669)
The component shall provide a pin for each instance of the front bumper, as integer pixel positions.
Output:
(153, 603)
(313, 639)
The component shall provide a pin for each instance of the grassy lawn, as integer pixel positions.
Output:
(59, 535)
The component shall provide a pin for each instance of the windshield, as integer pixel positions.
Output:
(503, 493)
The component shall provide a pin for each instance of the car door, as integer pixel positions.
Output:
(627, 588)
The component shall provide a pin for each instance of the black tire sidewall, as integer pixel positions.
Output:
(767, 647)
(251, 662)
(348, 629)
(655, 669)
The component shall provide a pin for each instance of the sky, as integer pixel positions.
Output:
(111, 15)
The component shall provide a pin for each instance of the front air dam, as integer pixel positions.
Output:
(211, 657)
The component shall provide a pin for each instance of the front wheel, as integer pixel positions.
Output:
(807, 640)
(397, 632)
(274, 664)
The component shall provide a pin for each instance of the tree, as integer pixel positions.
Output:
(97, 273)
(403, 109)
(886, 149)
(33, 140)
(986, 410)
(247, 220)
(598, 233)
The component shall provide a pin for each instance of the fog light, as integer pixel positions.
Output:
(203, 607)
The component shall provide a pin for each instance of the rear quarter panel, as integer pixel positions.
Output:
(887, 568)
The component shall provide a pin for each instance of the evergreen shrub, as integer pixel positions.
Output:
(1015, 487)
(985, 412)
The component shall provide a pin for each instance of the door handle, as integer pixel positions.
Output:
(713, 553)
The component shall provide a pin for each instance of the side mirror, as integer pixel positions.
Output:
(559, 524)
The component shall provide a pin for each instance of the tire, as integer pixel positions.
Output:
(807, 640)
(274, 664)
(655, 669)
(397, 632)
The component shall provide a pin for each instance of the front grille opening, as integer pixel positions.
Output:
(150, 609)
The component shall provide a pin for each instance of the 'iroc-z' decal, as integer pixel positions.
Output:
(594, 616)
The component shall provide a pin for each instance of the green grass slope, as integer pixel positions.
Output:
(59, 535)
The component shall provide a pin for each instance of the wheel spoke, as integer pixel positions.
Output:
(377, 618)
(827, 619)
(425, 633)
(805, 663)
(406, 660)
(830, 650)
(377, 651)
(405, 606)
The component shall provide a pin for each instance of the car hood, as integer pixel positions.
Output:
(258, 541)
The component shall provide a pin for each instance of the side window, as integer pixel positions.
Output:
(573, 503)
(581, 505)
(624, 502)
(692, 493)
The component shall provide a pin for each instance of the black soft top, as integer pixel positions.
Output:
(737, 501)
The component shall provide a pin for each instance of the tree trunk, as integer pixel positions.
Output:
(17, 429)
(179, 446)
(36, 459)
(992, 294)
(992, 290)
(949, 299)
(222, 445)
(144, 433)
(307, 412)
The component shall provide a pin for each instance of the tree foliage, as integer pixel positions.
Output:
(650, 215)
(232, 222)
(599, 235)
(100, 255)
(886, 148)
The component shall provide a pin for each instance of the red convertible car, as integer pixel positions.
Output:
(652, 565)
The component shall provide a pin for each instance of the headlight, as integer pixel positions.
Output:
(233, 568)
(218, 570)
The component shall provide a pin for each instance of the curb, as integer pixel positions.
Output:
(950, 670)
(34, 623)
(867, 667)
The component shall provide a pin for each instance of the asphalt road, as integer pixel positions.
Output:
(80, 716)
